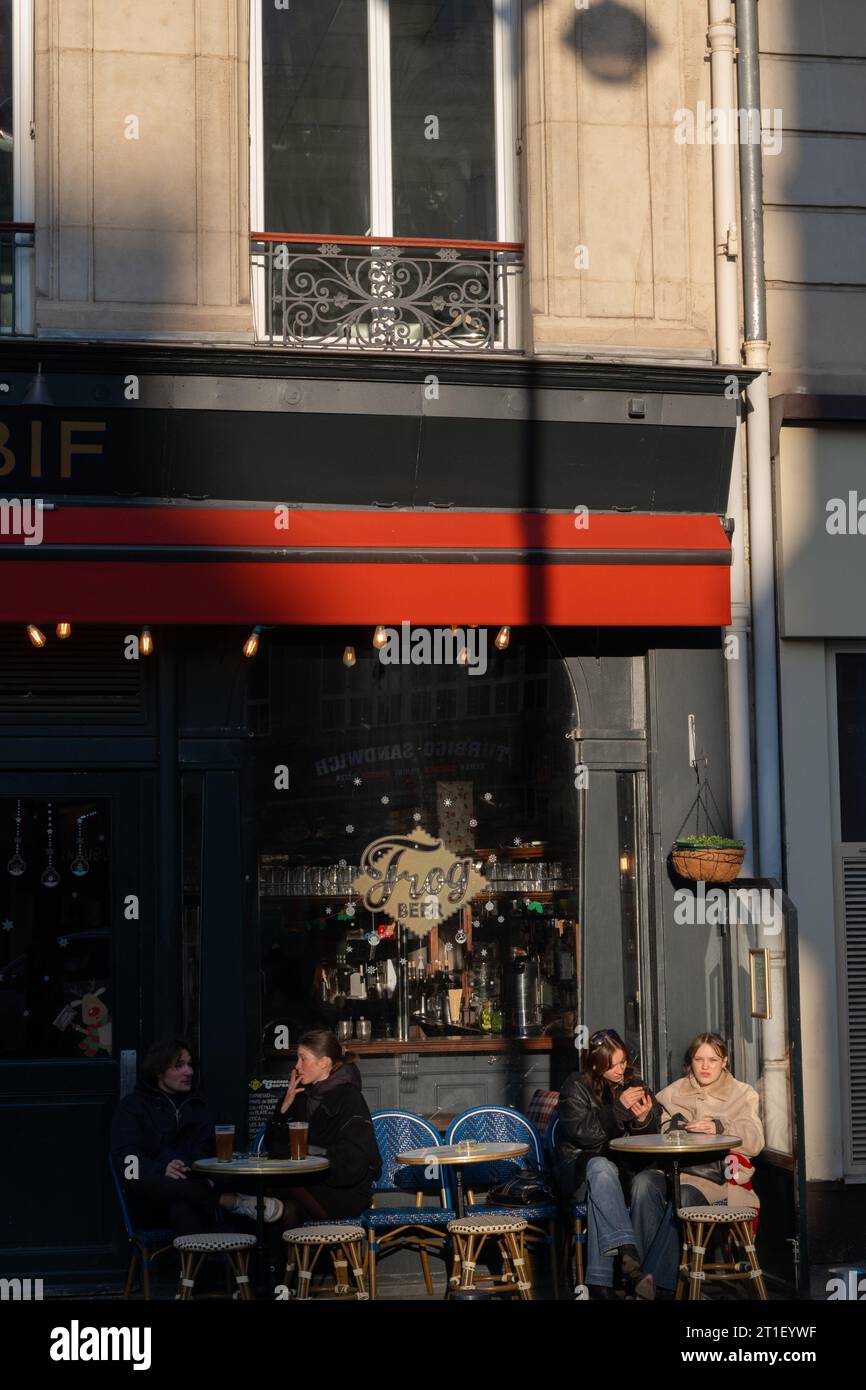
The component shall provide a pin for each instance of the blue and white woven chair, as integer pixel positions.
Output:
(421, 1227)
(575, 1235)
(500, 1124)
(145, 1245)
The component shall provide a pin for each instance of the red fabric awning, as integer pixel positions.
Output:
(213, 564)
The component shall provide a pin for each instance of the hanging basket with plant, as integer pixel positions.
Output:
(706, 858)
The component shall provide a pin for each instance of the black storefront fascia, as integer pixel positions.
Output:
(637, 455)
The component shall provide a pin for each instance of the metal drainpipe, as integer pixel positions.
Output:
(760, 470)
(774, 1048)
(721, 37)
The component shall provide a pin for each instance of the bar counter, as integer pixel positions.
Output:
(394, 1047)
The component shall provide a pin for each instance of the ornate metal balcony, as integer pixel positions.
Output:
(16, 241)
(387, 294)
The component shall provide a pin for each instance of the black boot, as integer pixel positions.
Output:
(638, 1284)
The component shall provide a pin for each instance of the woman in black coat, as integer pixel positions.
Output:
(325, 1090)
(607, 1099)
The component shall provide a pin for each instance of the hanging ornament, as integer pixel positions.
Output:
(50, 876)
(16, 865)
(460, 936)
(80, 866)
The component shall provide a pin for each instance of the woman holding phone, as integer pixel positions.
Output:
(324, 1092)
(605, 1100)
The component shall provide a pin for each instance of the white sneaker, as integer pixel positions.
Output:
(246, 1206)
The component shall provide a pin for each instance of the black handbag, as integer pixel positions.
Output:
(527, 1189)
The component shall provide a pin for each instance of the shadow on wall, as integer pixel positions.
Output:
(612, 42)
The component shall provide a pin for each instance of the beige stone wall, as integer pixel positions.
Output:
(150, 236)
(601, 169)
(146, 235)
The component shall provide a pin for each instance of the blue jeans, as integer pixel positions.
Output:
(650, 1224)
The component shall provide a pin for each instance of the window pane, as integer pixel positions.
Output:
(55, 942)
(851, 706)
(316, 117)
(5, 110)
(442, 67)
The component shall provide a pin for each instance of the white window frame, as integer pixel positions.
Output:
(506, 74)
(23, 160)
(853, 1172)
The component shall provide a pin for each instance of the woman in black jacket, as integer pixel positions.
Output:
(325, 1090)
(606, 1100)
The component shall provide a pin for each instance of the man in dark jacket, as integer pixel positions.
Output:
(158, 1132)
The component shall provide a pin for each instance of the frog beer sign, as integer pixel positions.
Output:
(415, 880)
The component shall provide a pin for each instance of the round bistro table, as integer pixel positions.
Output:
(456, 1155)
(687, 1148)
(260, 1171)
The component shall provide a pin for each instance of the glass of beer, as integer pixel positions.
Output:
(225, 1142)
(298, 1133)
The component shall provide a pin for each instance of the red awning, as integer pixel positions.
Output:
(218, 564)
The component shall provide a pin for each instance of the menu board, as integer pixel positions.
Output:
(263, 1096)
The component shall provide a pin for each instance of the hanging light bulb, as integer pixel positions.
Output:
(349, 657)
(380, 638)
(454, 629)
(624, 863)
(64, 630)
(251, 646)
(145, 642)
(503, 637)
(463, 658)
(36, 637)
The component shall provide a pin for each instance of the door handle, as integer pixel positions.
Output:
(128, 1071)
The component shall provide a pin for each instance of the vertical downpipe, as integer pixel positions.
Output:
(721, 37)
(776, 1110)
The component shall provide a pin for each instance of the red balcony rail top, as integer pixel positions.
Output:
(386, 293)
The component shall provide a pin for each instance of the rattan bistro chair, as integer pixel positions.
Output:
(146, 1244)
(194, 1250)
(575, 1228)
(471, 1233)
(699, 1224)
(421, 1227)
(501, 1124)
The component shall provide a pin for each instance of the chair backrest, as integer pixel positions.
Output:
(499, 1124)
(541, 1110)
(396, 1131)
(552, 1131)
(121, 1197)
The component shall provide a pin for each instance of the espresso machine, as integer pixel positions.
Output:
(522, 988)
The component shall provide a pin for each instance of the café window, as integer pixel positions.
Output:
(470, 773)
(16, 165)
(55, 929)
(385, 117)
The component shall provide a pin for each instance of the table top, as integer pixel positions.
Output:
(258, 1167)
(685, 1143)
(459, 1154)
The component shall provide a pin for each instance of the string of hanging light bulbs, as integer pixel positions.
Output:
(380, 639)
(253, 642)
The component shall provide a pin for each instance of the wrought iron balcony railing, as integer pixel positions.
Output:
(16, 238)
(387, 293)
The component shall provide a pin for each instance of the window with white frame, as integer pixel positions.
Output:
(7, 115)
(16, 165)
(385, 118)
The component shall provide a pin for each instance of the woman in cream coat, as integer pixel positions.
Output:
(708, 1100)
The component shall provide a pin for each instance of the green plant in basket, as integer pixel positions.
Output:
(708, 842)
